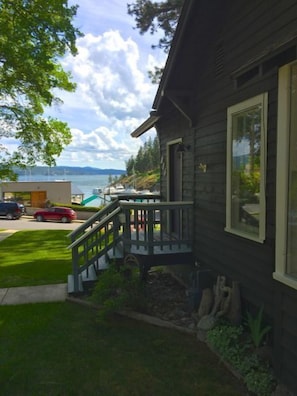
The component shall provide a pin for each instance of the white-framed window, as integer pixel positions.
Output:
(286, 178)
(246, 168)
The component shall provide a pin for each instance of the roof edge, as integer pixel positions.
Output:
(145, 126)
(185, 13)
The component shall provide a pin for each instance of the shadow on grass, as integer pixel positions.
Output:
(60, 349)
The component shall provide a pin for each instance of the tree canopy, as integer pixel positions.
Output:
(151, 16)
(35, 34)
(147, 158)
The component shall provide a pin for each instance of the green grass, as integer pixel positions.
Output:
(30, 258)
(60, 349)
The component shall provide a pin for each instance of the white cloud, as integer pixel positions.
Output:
(97, 148)
(108, 75)
(114, 94)
(113, 97)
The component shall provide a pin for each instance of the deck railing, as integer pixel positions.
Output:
(156, 227)
(89, 247)
(145, 227)
(93, 220)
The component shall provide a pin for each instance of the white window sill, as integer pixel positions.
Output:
(285, 279)
(244, 235)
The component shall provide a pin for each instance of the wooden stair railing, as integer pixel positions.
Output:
(93, 220)
(97, 240)
(157, 227)
(124, 228)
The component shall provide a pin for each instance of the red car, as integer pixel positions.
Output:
(56, 213)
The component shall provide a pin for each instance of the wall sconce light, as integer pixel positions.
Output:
(202, 167)
(182, 148)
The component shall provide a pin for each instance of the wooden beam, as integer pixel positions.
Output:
(175, 97)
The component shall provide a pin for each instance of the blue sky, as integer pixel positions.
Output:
(114, 94)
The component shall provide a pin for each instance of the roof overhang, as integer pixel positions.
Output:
(162, 91)
(173, 52)
(145, 126)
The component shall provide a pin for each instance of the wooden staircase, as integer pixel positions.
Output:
(129, 231)
(94, 244)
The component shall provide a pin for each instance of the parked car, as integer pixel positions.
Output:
(22, 207)
(10, 210)
(56, 213)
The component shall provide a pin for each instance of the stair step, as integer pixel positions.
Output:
(89, 274)
(70, 284)
(102, 263)
(117, 252)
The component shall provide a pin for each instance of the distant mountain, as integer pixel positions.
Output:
(69, 170)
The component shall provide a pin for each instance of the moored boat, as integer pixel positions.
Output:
(97, 191)
(113, 190)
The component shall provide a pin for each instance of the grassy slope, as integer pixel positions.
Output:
(148, 181)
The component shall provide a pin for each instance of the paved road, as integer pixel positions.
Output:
(29, 223)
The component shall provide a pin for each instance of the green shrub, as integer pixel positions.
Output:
(234, 346)
(260, 380)
(225, 340)
(80, 208)
(118, 287)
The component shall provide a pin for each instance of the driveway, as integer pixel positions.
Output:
(29, 223)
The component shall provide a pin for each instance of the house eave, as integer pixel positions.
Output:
(173, 53)
(145, 126)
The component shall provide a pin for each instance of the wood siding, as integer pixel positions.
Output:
(232, 54)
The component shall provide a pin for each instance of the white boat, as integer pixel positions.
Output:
(128, 191)
(113, 190)
(97, 191)
(145, 192)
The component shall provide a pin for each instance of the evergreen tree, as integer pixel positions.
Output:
(156, 153)
(155, 15)
(146, 160)
(130, 166)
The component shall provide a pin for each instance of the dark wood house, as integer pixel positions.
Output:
(226, 116)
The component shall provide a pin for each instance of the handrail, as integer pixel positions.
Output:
(108, 209)
(138, 197)
(149, 205)
(95, 229)
(157, 226)
(90, 246)
(93, 220)
(142, 227)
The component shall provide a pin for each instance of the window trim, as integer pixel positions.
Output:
(245, 105)
(282, 185)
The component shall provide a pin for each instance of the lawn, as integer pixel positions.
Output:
(60, 349)
(30, 258)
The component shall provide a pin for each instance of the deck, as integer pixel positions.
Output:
(142, 229)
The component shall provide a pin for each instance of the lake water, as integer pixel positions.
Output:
(86, 183)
